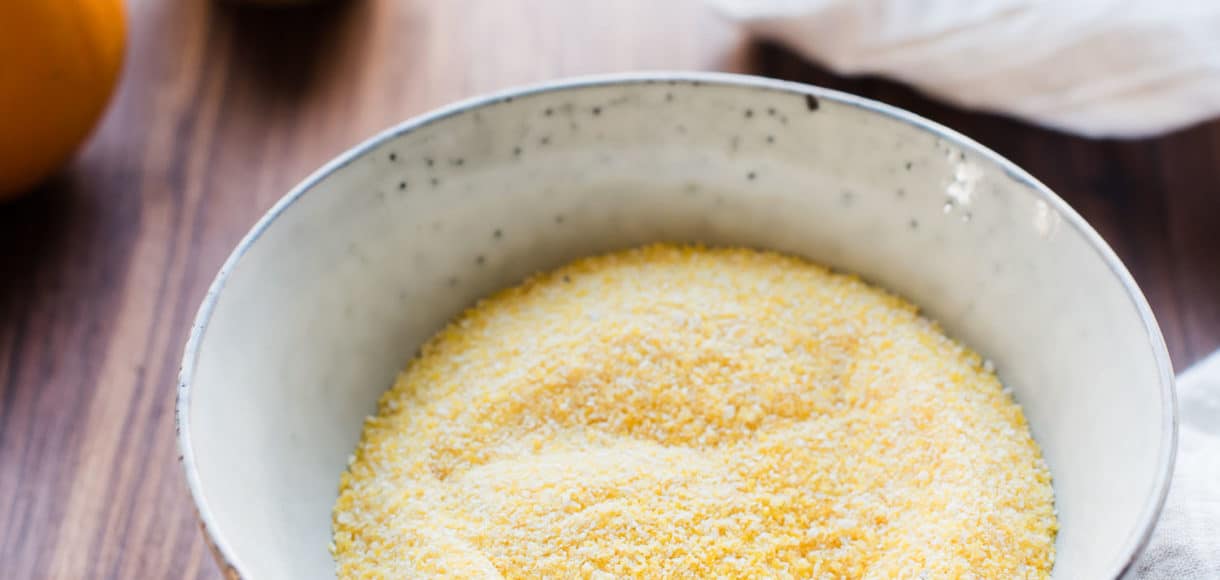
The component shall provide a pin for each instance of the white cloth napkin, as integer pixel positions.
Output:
(1095, 67)
(1186, 543)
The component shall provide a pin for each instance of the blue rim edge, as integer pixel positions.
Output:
(1152, 509)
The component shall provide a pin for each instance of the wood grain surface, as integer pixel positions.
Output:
(223, 107)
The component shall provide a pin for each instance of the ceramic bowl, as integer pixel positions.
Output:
(333, 291)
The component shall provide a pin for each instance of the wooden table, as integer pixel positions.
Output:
(223, 108)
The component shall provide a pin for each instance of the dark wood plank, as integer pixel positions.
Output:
(223, 107)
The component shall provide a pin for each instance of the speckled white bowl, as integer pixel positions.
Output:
(333, 291)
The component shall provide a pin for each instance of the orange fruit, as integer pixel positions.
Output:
(59, 60)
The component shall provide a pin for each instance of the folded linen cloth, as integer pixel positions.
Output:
(1186, 543)
(1095, 67)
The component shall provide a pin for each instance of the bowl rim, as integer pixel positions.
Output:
(1136, 542)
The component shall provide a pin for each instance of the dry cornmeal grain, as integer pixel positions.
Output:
(683, 412)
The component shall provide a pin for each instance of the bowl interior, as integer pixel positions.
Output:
(333, 293)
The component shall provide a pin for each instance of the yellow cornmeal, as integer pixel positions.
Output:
(680, 412)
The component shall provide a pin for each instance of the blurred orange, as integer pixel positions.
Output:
(59, 60)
